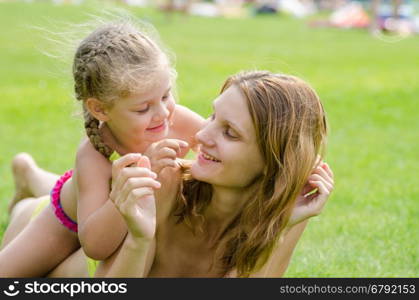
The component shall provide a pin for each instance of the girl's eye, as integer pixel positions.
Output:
(142, 111)
(230, 133)
(211, 117)
(165, 98)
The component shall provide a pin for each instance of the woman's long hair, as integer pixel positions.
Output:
(291, 130)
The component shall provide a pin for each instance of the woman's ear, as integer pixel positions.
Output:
(97, 109)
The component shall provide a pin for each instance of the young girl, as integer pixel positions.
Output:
(124, 80)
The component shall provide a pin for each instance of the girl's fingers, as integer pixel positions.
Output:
(139, 195)
(133, 197)
(144, 162)
(132, 184)
(174, 144)
(168, 162)
(124, 161)
(135, 183)
(131, 172)
(141, 192)
(121, 163)
(136, 172)
(167, 152)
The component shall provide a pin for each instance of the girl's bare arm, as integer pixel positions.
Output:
(101, 228)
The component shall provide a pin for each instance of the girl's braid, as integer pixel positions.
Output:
(91, 124)
(83, 86)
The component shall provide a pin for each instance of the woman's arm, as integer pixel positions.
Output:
(307, 205)
(280, 258)
(133, 259)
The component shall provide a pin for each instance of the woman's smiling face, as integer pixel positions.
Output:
(229, 155)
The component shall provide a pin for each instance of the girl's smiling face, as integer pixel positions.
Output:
(229, 155)
(143, 117)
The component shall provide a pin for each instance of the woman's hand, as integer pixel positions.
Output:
(133, 194)
(314, 195)
(163, 153)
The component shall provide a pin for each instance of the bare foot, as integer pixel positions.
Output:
(22, 165)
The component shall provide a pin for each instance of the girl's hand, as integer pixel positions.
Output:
(314, 195)
(133, 194)
(163, 153)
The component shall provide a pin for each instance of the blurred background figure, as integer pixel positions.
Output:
(375, 8)
(391, 16)
(265, 6)
(210, 8)
(170, 6)
(297, 8)
(329, 5)
(350, 15)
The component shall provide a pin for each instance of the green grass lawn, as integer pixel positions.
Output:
(369, 228)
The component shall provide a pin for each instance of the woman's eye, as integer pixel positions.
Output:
(230, 133)
(165, 98)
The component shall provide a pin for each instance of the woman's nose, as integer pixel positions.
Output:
(204, 136)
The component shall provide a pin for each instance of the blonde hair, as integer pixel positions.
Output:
(290, 125)
(115, 60)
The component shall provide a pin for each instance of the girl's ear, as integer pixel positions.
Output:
(97, 109)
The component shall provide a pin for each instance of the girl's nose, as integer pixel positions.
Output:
(161, 113)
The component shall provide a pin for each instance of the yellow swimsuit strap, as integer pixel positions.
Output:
(91, 266)
(42, 203)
